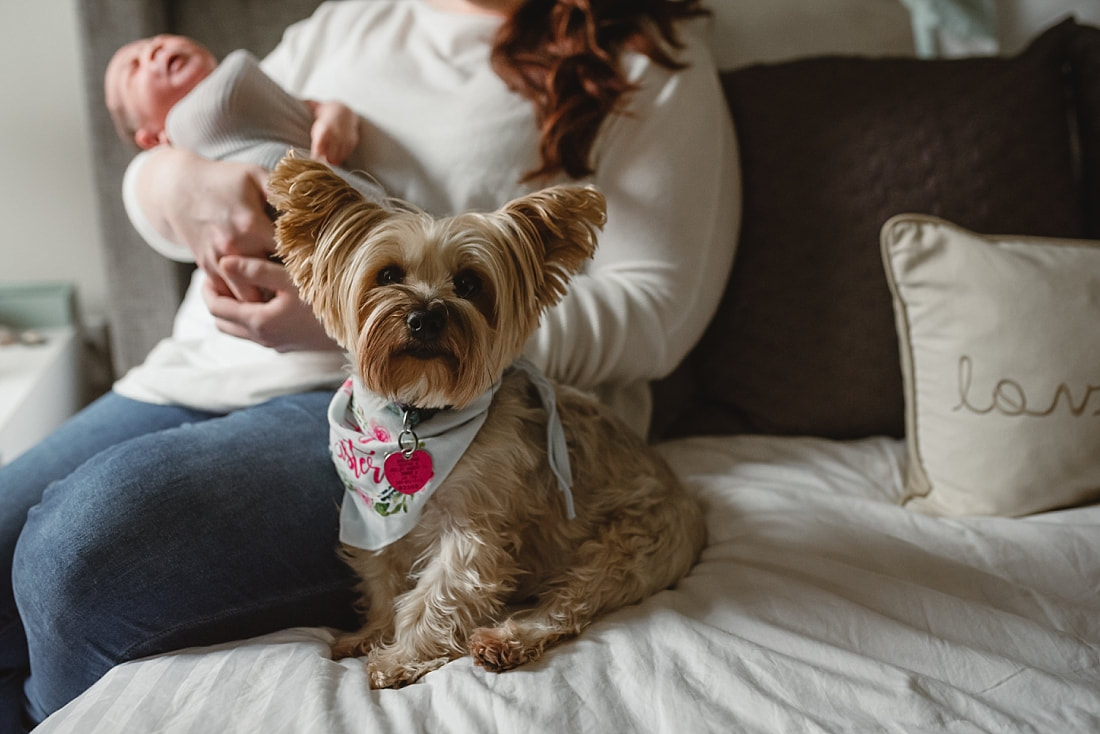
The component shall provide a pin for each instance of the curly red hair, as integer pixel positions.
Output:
(563, 55)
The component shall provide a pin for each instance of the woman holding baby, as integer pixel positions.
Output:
(196, 503)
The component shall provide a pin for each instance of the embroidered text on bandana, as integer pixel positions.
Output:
(389, 475)
(364, 433)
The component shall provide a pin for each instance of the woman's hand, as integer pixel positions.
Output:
(282, 321)
(214, 208)
(335, 132)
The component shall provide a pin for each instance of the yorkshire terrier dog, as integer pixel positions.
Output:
(488, 511)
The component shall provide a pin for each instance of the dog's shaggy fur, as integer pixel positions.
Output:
(494, 567)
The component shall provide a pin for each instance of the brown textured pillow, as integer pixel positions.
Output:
(804, 340)
(1084, 71)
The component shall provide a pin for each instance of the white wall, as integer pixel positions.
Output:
(46, 202)
(47, 206)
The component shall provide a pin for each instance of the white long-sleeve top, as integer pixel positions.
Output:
(444, 132)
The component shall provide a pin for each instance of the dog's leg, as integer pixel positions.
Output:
(359, 643)
(623, 566)
(465, 584)
(383, 578)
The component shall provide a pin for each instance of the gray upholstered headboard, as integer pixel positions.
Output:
(145, 288)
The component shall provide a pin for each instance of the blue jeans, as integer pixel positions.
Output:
(136, 529)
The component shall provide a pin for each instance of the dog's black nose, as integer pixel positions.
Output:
(425, 325)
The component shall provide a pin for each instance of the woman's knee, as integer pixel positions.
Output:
(70, 549)
(177, 526)
(83, 543)
(65, 585)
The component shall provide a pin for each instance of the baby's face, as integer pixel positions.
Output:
(146, 78)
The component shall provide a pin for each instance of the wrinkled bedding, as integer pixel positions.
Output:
(818, 604)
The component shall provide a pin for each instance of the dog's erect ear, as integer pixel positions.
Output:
(321, 218)
(565, 219)
(307, 192)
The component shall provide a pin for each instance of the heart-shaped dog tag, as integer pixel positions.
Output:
(408, 475)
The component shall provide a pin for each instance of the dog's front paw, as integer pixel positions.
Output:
(496, 650)
(387, 669)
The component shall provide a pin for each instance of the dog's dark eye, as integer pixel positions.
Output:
(467, 284)
(391, 275)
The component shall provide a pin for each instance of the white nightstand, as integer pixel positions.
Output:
(39, 388)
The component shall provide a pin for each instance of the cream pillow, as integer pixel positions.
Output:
(1000, 352)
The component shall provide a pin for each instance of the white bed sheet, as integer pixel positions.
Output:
(819, 604)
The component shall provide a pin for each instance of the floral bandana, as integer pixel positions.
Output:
(392, 460)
